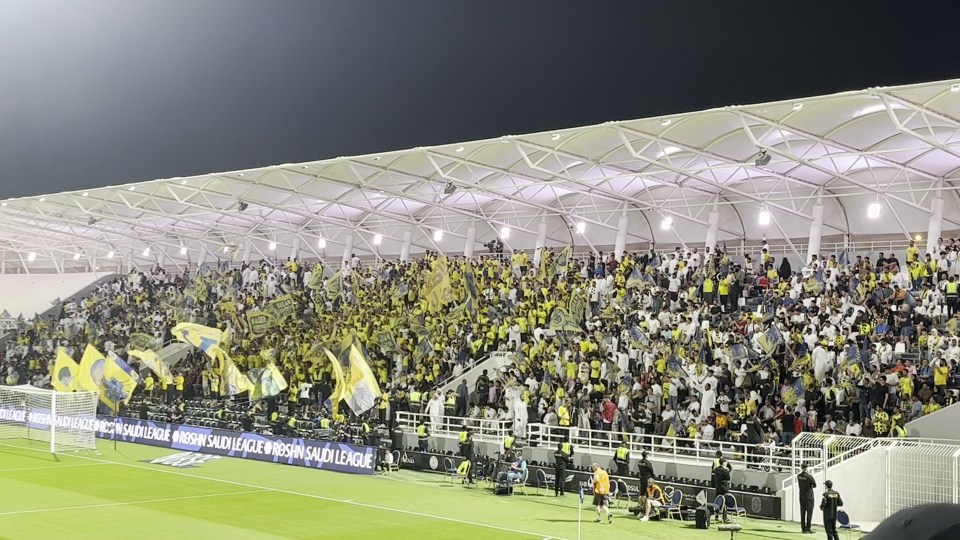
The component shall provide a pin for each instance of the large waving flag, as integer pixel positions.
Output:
(561, 320)
(339, 384)
(201, 337)
(470, 279)
(438, 290)
(792, 392)
(266, 382)
(118, 384)
(561, 262)
(150, 360)
(335, 285)
(65, 371)
(232, 381)
(635, 280)
(362, 390)
(92, 367)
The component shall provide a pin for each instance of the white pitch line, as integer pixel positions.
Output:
(129, 503)
(308, 495)
(56, 467)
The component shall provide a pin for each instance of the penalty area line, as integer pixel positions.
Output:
(308, 495)
(130, 503)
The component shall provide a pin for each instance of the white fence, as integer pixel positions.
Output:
(449, 426)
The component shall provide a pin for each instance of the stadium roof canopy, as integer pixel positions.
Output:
(893, 148)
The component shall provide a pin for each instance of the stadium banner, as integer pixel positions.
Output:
(260, 322)
(325, 455)
(282, 307)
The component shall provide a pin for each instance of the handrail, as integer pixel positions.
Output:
(765, 457)
(492, 430)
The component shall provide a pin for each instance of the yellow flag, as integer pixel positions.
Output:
(65, 370)
(232, 381)
(338, 383)
(117, 386)
(201, 337)
(438, 290)
(154, 363)
(362, 391)
(92, 368)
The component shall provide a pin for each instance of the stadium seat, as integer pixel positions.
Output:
(394, 463)
(673, 508)
(732, 507)
(544, 480)
(843, 519)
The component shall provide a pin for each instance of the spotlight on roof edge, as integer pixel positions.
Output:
(110, 254)
(183, 251)
(31, 257)
(666, 223)
(437, 235)
(226, 249)
(797, 106)
(146, 252)
(763, 158)
(76, 256)
(955, 88)
(666, 122)
(321, 243)
(377, 239)
(581, 227)
(272, 246)
(459, 149)
(764, 217)
(873, 211)
(505, 232)
(555, 136)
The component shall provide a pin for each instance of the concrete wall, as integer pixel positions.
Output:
(26, 294)
(943, 424)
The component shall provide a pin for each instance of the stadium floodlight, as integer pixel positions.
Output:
(581, 227)
(272, 246)
(437, 235)
(666, 122)
(31, 256)
(666, 223)
(873, 211)
(183, 250)
(110, 254)
(377, 239)
(505, 232)
(76, 256)
(131, 188)
(763, 158)
(242, 206)
(918, 238)
(764, 217)
(146, 252)
(321, 243)
(955, 88)
(797, 106)
(555, 136)
(226, 249)
(4, 203)
(460, 149)
(42, 199)
(85, 194)
(449, 188)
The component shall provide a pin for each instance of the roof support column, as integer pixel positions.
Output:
(816, 232)
(347, 249)
(935, 228)
(713, 229)
(407, 244)
(247, 250)
(470, 241)
(295, 250)
(620, 243)
(541, 242)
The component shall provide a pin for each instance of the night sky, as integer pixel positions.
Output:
(95, 93)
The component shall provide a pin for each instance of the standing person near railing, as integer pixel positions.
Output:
(560, 463)
(622, 458)
(806, 484)
(423, 435)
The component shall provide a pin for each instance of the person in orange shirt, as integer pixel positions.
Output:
(601, 492)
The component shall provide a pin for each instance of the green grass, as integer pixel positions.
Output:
(120, 494)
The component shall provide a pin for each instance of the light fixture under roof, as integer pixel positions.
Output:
(110, 254)
(581, 227)
(4, 203)
(31, 256)
(131, 188)
(666, 122)
(449, 188)
(272, 246)
(763, 159)
(42, 199)
(505, 232)
(183, 250)
(377, 239)
(437, 235)
(764, 217)
(555, 136)
(666, 223)
(918, 238)
(85, 194)
(955, 88)
(797, 106)
(226, 249)
(375, 158)
(146, 252)
(321, 243)
(76, 256)
(873, 210)
(459, 149)
(183, 182)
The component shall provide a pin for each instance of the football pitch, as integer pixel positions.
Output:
(120, 493)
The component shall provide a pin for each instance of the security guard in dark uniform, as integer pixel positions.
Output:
(423, 432)
(396, 437)
(645, 471)
(560, 463)
(466, 450)
(622, 459)
(806, 483)
(721, 483)
(248, 420)
(829, 504)
(221, 416)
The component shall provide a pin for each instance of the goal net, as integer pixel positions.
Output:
(67, 421)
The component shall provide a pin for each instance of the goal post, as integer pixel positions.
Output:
(64, 420)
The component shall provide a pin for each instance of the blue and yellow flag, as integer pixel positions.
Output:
(437, 290)
(232, 380)
(635, 280)
(362, 390)
(152, 361)
(118, 384)
(335, 286)
(792, 392)
(201, 337)
(65, 371)
(561, 320)
(266, 382)
(92, 368)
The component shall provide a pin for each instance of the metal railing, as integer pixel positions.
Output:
(486, 430)
(771, 458)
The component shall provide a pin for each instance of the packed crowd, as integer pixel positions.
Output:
(675, 343)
